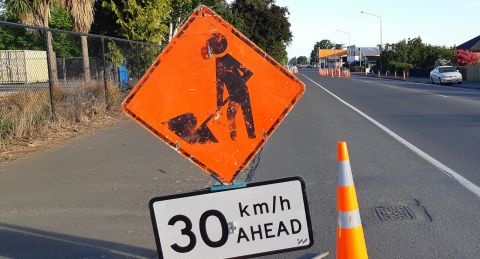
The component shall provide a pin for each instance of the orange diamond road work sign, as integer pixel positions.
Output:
(213, 95)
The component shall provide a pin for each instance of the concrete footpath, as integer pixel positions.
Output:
(88, 198)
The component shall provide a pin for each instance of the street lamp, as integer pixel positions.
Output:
(381, 40)
(347, 34)
(348, 47)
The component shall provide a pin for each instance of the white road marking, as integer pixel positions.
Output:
(441, 95)
(445, 169)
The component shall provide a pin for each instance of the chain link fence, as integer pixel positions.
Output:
(55, 75)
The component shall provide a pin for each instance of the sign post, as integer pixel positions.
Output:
(259, 219)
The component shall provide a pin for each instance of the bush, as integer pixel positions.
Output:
(465, 58)
(399, 67)
(357, 69)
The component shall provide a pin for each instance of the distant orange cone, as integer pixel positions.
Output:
(350, 238)
(404, 78)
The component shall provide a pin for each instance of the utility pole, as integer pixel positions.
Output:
(381, 32)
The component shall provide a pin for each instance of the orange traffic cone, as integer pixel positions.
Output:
(404, 78)
(350, 239)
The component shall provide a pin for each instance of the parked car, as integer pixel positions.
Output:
(445, 75)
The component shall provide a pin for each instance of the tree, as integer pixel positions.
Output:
(326, 44)
(293, 61)
(323, 44)
(141, 20)
(64, 45)
(82, 14)
(338, 46)
(302, 60)
(265, 23)
(179, 12)
(37, 12)
(414, 51)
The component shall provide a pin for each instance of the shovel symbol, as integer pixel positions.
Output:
(185, 126)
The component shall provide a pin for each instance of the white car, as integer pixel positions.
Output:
(445, 75)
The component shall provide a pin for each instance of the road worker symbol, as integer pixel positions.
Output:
(233, 76)
(213, 95)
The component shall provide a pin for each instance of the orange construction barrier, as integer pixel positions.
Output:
(350, 238)
(339, 72)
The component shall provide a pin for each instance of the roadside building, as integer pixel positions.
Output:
(331, 58)
(362, 56)
(472, 45)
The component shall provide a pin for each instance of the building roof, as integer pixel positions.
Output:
(325, 53)
(473, 44)
(369, 51)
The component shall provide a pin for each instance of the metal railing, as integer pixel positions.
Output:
(50, 61)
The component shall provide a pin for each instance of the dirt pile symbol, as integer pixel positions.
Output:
(230, 75)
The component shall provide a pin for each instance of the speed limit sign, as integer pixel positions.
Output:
(261, 218)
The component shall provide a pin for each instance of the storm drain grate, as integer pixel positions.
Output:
(394, 213)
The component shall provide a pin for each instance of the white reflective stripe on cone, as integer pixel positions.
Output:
(345, 174)
(349, 219)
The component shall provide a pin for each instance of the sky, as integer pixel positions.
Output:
(437, 22)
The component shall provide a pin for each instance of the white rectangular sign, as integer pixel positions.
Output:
(261, 218)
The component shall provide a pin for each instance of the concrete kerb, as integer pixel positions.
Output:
(466, 84)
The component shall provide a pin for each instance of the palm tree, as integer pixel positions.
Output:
(83, 14)
(37, 12)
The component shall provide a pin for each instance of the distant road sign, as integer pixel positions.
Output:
(213, 95)
(262, 218)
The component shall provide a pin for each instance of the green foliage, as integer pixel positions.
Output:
(65, 45)
(262, 21)
(293, 61)
(357, 69)
(15, 38)
(265, 23)
(180, 11)
(302, 60)
(399, 67)
(323, 44)
(114, 54)
(416, 54)
(60, 19)
(141, 20)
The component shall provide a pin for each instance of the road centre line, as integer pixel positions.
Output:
(445, 169)
(441, 95)
(409, 89)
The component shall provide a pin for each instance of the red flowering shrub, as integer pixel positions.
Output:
(465, 57)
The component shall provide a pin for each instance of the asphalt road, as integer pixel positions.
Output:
(88, 198)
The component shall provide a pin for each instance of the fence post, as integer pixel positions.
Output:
(50, 80)
(138, 62)
(104, 71)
